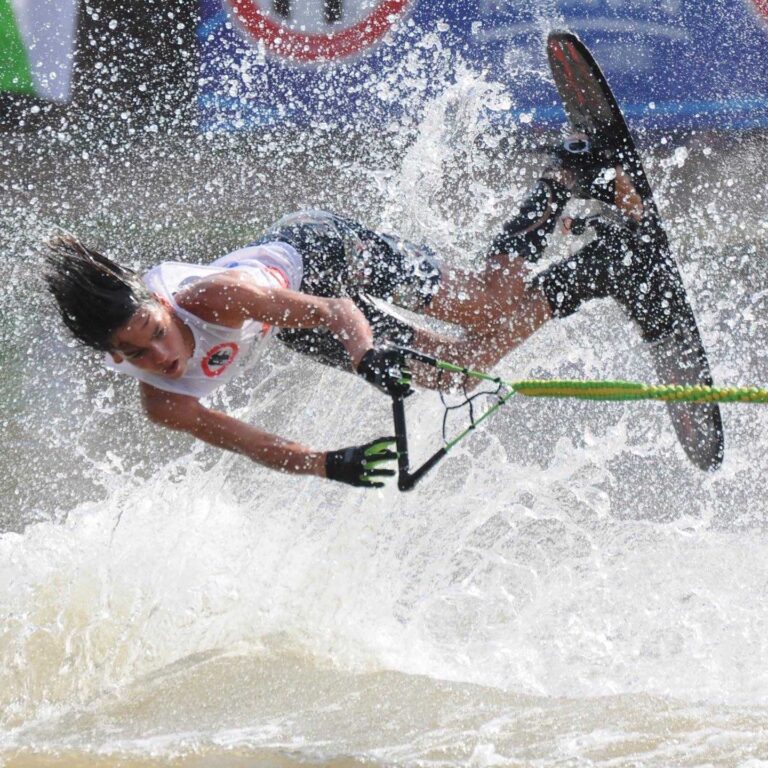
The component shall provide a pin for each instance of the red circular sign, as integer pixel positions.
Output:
(219, 358)
(301, 46)
(762, 7)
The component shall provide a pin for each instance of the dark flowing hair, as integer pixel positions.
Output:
(95, 295)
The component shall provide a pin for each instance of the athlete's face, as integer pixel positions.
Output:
(154, 340)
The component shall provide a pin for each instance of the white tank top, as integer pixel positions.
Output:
(220, 353)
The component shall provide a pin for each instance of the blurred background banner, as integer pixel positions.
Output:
(37, 44)
(673, 63)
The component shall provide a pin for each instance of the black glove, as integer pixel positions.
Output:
(385, 369)
(358, 465)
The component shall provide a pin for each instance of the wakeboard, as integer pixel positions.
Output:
(679, 358)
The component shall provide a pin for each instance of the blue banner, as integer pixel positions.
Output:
(671, 63)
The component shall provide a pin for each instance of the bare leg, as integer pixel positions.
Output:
(497, 310)
(498, 307)
(464, 352)
(499, 299)
(628, 201)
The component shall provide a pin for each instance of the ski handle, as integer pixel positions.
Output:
(407, 479)
(615, 391)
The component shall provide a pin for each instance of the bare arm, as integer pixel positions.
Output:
(186, 414)
(234, 298)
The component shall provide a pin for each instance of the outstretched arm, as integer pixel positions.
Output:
(359, 465)
(186, 414)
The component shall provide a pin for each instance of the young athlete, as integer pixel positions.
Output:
(183, 330)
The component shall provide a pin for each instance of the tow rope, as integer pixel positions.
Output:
(559, 388)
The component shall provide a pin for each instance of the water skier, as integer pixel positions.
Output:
(183, 330)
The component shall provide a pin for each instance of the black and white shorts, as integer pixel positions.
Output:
(342, 259)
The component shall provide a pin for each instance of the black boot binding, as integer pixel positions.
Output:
(624, 266)
(526, 235)
(591, 167)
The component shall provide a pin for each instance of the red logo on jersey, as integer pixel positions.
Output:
(279, 275)
(219, 358)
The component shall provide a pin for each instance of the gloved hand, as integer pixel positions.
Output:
(385, 368)
(358, 465)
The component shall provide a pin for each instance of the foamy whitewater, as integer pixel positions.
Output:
(564, 590)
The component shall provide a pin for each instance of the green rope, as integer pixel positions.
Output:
(628, 390)
(619, 390)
